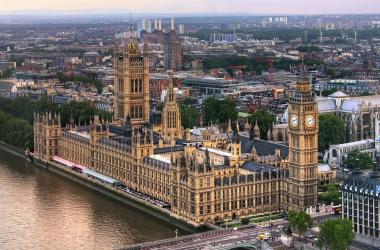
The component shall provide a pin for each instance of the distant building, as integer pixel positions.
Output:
(222, 37)
(338, 153)
(7, 65)
(91, 57)
(209, 85)
(350, 87)
(146, 25)
(172, 50)
(181, 29)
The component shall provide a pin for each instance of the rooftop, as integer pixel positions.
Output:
(217, 151)
(161, 158)
(338, 94)
(81, 134)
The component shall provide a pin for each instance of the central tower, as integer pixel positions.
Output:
(171, 115)
(131, 81)
(303, 146)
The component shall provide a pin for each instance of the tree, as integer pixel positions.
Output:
(264, 121)
(244, 221)
(363, 160)
(189, 116)
(331, 194)
(300, 222)
(331, 131)
(219, 110)
(336, 234)
(328, 92)
(85, 79)
(6, 73)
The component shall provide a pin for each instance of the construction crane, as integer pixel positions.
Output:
(320, 30)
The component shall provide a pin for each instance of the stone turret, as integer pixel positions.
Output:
(229, 127)
(47, 130)
(257, 131)
(247, 126)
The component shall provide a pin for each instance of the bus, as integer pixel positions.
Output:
(336, 209)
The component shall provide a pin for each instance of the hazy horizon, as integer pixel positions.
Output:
(217, 7)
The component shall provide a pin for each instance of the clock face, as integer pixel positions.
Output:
(310, 120)
(294, 120)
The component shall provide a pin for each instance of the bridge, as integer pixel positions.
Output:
(245, 236)
(217, 239)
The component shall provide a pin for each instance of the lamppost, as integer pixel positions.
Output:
(176, 232)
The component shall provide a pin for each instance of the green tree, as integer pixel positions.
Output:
(7, 73)
(336, 234)
(189, 116)
(219, 110)
(355, 157)
(264, 121)
(244, 221)
(328, 92)
(332, 193)
(300, 222)
(227, 110)
(331, 131)
(84, 79)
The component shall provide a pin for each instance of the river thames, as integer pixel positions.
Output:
(42, 210)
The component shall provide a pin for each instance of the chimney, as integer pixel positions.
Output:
(160, 24)
(172, 28)
(155, 24)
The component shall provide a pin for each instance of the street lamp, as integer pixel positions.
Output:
(176, 232)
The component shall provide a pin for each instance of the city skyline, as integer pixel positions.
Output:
(197, 6)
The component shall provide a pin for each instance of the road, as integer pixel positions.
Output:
(219, 238)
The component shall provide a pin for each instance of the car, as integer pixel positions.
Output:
(281, 227)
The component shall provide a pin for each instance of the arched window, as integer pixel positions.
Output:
(121, 85)
(140, 115)
(140, 85)
(132, 82)
(136, 85)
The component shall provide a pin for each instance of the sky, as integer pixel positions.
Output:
(193, 6)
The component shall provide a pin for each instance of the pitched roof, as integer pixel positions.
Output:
(338, 94)
(263, 148)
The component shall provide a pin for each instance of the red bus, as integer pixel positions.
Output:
(336, 209)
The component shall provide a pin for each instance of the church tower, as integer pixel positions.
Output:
(171, 116)
(303, 146)
(131, 80)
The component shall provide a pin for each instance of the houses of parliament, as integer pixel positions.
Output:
(205, 178)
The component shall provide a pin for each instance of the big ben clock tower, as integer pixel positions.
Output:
(303, 146)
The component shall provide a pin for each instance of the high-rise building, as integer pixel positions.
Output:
(146, 25)
(303, 146)
(131, 82)
(181, 29)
